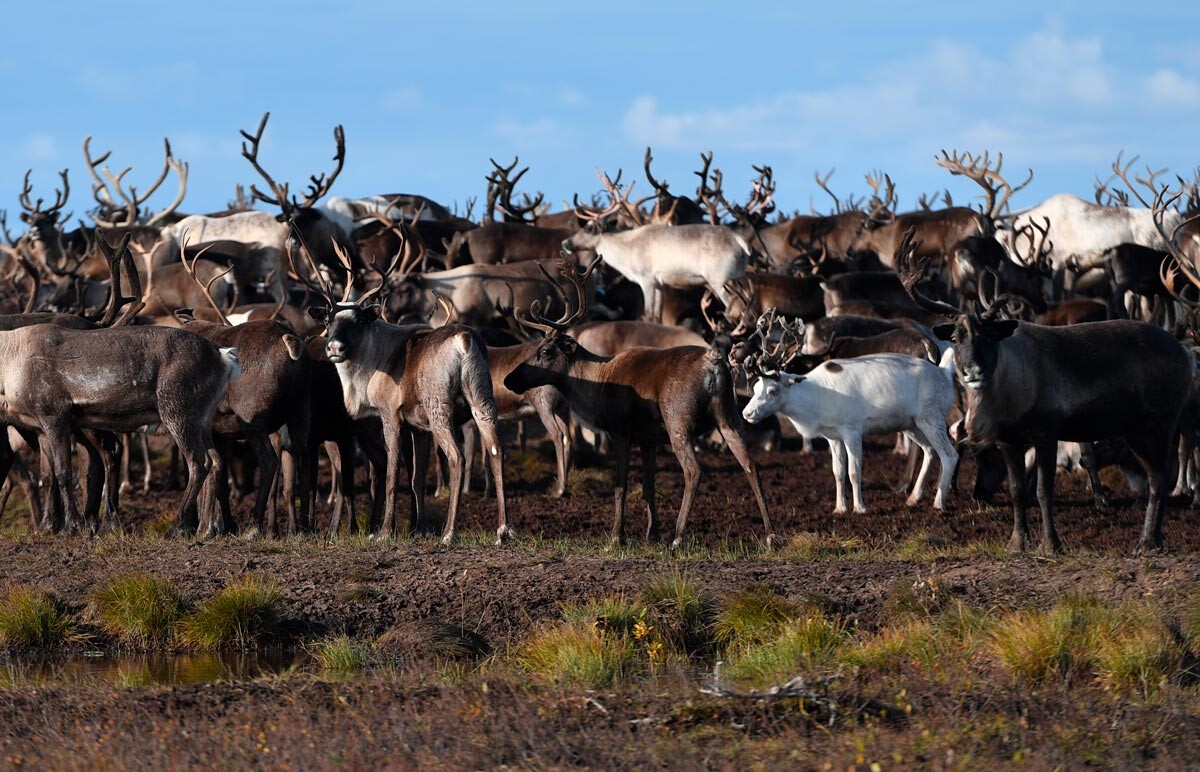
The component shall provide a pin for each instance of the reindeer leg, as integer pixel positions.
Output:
(391, 439)
(682, 446)
(620, 451)
(837, 450)
(422, 446)
(492, 448)
(126, 453)
(649, 463)
(443, 435)
(556, 431)
(728, 426)
(1014, 461)
(148, 467)
(1047, 465)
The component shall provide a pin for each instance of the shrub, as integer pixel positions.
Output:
(33, 619)
(242, 615)
(138, 610)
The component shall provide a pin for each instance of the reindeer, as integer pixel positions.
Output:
(420, 381)
(657, 255)
(267, 235)
(843, 400)
(1025, 384)
(632, 396)
(273, 393)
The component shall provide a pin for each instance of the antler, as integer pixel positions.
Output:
(762, 197)
(619, 200)
(979, 169)
(823, 184)
(1040, 246)
(31, 209)
(206, 288)
(319, 184)
(660, 188)
(882, 207)
(534, 318)
(133, 304)
(104, 187)
(912, 271)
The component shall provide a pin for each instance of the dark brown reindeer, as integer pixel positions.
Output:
(1027, 384)
(632, 396)
(418, 381)
(272, 393)
(505, 242)
(939, 230)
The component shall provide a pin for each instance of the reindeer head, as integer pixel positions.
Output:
(976, 336)
(553, 357)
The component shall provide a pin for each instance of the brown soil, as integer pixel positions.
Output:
(364, 588)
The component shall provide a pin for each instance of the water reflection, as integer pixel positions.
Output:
(149, 669)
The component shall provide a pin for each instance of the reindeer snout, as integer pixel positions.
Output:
(567, 247)
(335, 350)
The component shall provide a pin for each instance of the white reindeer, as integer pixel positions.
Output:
(659, 255)
(1085, 232)
(845, 399)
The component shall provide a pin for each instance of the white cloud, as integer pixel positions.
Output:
(1173, 89)
(40, 147)
(403, 100)
(537, 131)
(1045, 94)
(572, 97)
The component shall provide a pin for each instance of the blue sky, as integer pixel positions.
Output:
(427, 93)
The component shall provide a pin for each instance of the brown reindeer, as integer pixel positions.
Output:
(632, 396)
(419, 381)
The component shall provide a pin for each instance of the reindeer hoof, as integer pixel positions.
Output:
(676, 544)
(448, 539)
(1018, 542)
(504, 533)
(773, 541)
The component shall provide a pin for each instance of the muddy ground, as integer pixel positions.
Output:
(362, 588)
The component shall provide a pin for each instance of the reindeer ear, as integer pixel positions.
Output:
(568, 344)
(944, 331)
(319, 313)
(371, 312)
(185, 315)
(1002, 328)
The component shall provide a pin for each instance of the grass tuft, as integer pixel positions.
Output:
(803, 644)
(680, 613)
(32, 619)
(341, 655)
(616, 615)
(243, 615)
(577, 654)
(138, 610)
(752, 617)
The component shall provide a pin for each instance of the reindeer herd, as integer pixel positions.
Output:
(390, 330)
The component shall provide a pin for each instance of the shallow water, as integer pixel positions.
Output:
(148, 669)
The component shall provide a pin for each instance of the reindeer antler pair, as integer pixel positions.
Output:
(534, 318)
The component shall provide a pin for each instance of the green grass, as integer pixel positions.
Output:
(138, 610)
(32, 619)
(803, 645)
(577, 654)
(616, 615)
(680, 613)
(341, 655)
(1057, 644)
(243, 615)
(752, 617)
